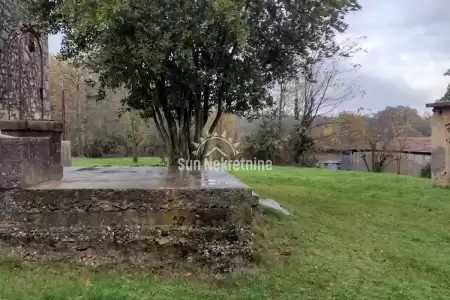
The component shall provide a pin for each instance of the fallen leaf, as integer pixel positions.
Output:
(331, 283)
(187, 274)
(236, 284)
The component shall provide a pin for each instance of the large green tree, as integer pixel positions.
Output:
(183, 60)
(446, 97)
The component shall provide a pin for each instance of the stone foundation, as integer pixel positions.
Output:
(145, 217)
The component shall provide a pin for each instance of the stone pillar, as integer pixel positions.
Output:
(24, 161)
(66, 154)
(20, 68)
(440, 156)
(30, 153)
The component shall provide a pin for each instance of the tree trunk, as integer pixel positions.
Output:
(173, 158)
(280, 109)
(297, 101)
(364, 157)
(174, 149)
(133, 137)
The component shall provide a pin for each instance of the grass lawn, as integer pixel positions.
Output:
(115, 161)
(352, 236)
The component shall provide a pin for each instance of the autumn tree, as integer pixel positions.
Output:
(183, 60)
(319, 89)
(414, 125)
(379, 142)
(97, 128)
(70, 96)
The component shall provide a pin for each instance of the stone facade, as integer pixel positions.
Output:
(20, 68)
(440, 161)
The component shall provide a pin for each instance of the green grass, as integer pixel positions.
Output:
(116, 161)
(352, 236)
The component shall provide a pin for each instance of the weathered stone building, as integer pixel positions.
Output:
(440, 160)
(24, 67)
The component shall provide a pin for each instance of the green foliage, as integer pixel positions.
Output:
(46, 12)
(426, 171)
(180, 60)
(270, 143)
(267, 143)
(101, 146)
(308, 159)
(302, 145)
(446, 96)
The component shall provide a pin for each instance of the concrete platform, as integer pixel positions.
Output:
(143, 216)
(145, 178)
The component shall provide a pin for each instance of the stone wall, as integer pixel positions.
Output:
(440, 162)
(143, 228)
(20, 68)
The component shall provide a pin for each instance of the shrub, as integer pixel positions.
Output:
(266, 144)
(426, 171)
(308, 159)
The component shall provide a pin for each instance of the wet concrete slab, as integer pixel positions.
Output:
(120, 178)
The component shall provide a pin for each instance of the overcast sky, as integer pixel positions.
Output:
(408, 51)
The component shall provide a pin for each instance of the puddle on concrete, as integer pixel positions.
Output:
(141, 178)
(86, 169)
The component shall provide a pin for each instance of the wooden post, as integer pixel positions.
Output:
(63, 109)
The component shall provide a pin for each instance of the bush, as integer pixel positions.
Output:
(308, 159)
(426, 171)
(266, 144)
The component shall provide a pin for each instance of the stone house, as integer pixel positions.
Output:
(440, 124)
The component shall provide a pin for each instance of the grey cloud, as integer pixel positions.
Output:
(379, 93)
(422, 25)
(401, 13)
(406, 40)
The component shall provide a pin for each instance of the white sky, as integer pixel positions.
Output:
(408, 52)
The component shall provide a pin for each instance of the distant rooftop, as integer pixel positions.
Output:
(442, 104)
(420, 145)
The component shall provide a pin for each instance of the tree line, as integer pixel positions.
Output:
(99, 128)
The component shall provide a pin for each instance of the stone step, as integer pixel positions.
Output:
(200, 216)
(136, 215)
(95, 200)
(101, 245)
